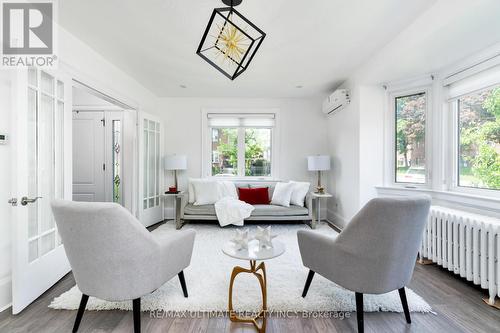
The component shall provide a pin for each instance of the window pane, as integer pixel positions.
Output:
(117, 143)
(224, 151)
(479, 137)
(258, 152)
(410, 138)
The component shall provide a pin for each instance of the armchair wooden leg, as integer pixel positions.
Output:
(308, 282)
(183, 283)
(359, 312)
(402, 295)
(136, 307)
(81, 310)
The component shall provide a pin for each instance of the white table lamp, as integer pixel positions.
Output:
(176, 162)
(319, 163)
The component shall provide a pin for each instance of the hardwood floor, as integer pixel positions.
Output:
(457, 304)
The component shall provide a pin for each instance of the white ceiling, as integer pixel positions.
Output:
(315, 44)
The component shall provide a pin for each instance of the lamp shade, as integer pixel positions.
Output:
(318, 163)
(176, 162)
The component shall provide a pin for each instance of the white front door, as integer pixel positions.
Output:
(150, 206)
(89, 166)
(41, 141)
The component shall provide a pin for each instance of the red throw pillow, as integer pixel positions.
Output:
(254, 196)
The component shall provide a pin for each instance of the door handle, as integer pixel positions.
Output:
(26, 200)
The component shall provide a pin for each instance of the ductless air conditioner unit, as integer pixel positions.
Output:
(336, 101)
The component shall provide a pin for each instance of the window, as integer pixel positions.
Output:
(478, 157)
(410, 154)
(241, 144)
(258, 152)
(224, 151)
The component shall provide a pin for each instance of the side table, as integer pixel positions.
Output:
(177, 196)
(317, 207)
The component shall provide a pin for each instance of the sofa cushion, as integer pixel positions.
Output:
(260, 210)
(273, 210)
(270, 188)
(254, 196)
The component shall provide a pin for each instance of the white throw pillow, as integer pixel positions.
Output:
(191, 194)
(227, 189)
(206, 192)
(282, 194)
(299, 193)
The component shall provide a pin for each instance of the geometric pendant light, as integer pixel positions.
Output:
(230, 40)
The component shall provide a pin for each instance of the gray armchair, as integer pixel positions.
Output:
(113, 257)
(374, 254)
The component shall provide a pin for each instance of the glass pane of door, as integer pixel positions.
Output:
(151, 164)
(117, 143)
(45, 148)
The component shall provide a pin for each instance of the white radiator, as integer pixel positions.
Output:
(467, 244)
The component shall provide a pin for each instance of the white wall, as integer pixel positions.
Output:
(371, 141)
(343, 139)
(5, 185)
(302, 129)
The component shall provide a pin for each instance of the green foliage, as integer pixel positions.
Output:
(228, 151)
(486, 166)
(492, 103)
(410, 123)
(480, 137)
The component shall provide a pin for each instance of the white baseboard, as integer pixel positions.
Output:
(5, 293)
(336, 219)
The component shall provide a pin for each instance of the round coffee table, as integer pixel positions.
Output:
(253, 254)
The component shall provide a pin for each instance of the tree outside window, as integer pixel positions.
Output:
(257, 151)
(479, 139)
(410, 138)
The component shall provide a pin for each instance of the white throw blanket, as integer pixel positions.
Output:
(232, 211)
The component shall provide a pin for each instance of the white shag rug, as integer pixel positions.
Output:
(207, 280)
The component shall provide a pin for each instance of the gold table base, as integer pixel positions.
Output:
(261, 276)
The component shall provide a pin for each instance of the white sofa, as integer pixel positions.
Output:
(189, 212)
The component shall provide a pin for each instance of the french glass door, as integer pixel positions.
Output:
(150, 204)
(42, 143)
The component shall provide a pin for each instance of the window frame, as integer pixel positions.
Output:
(453, 171)
(206, 130)
(391, 165)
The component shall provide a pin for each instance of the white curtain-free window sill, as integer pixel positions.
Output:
(463, 201)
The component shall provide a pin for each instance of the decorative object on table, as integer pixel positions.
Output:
(172, 189)
(174, 163)
(230, 40)
(240, 239)
(264, 236)
(318, 163)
